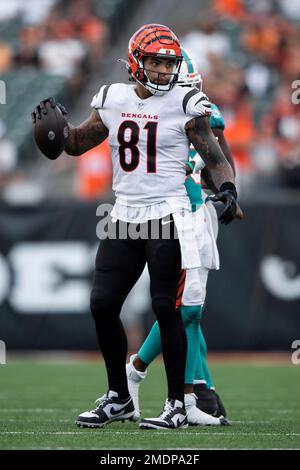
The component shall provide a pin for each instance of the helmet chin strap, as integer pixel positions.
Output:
(153, 91)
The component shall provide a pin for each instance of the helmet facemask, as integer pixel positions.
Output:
(158, 89)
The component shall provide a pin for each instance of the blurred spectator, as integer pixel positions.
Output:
(290, 8)
(6, 57)
(36, 11)
(258, 79)
(32, 11)
(27, 53)
(265, 163)
(259, 7)
(230, 9)
(61, 54)
(90, 29)
(289, 66)
(9, 9)
(240, 132)
(262, 38)
(204, 41)
(284, 119)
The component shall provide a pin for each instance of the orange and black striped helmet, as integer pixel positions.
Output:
(153, 40)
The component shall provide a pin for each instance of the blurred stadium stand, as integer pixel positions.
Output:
(248, 54)
(54, 53)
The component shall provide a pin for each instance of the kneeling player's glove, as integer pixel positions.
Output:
(228, 196)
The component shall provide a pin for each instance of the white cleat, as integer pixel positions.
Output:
(173, 416)
(197, 417)
(110, 408)
(134, 378)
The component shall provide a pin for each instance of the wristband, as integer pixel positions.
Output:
(229, 186)
(199, 163)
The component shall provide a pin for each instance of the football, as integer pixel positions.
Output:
(51, 132)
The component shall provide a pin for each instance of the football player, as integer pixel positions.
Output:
(149, 125)
(201, 400)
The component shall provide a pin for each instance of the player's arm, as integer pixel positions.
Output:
(205, 173)
(87, 135)
(197, 164)
(200, 134)
(77, 140)
(208, 181)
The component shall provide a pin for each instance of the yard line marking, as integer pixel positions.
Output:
(250, 422)
(75, 410)
(157, 433)
(282, 411)
(41, 432)
(29, 410)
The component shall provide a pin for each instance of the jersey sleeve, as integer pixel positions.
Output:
(216, 118)
(100, 99)
(196, 104)
(101, 102)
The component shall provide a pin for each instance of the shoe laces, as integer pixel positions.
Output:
(101, 399)
(168, 408)
(101, 402)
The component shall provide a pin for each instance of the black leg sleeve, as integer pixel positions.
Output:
(119, 263)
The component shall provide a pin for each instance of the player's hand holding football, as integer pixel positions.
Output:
(227, 195)
(50, 127)
(41, 109)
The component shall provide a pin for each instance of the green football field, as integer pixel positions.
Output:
(39, 402)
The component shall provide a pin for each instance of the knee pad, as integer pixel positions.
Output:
(163, 307)
(196, 292)
(195, 287)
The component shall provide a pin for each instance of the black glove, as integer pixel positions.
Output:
(227, 195)
(42, 109)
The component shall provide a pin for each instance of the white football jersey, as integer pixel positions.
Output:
(149, 146)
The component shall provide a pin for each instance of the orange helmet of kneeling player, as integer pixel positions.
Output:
(158, 41)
